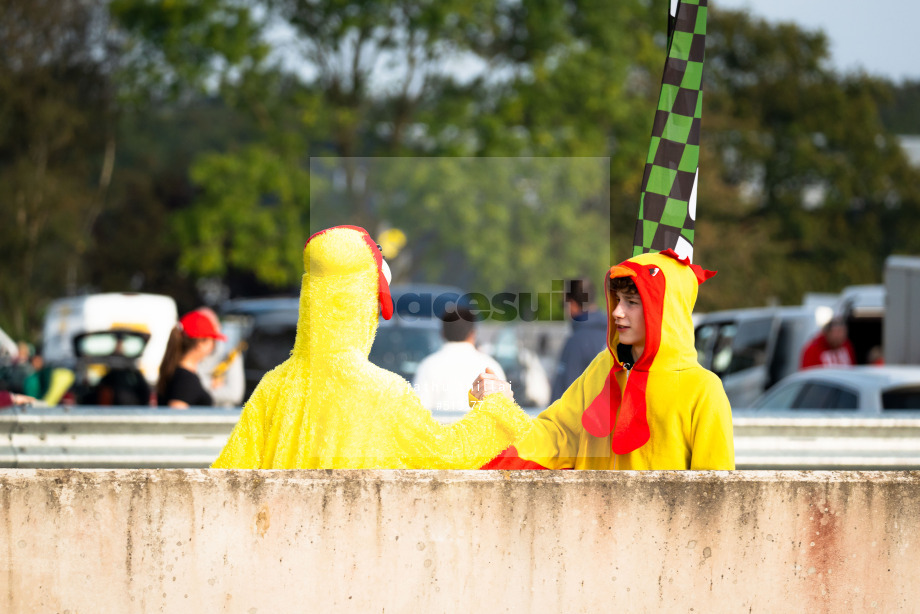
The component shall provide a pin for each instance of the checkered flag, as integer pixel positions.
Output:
(667, 205)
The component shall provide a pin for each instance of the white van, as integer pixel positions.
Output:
(155, 314)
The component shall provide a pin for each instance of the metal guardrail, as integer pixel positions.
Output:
(104, 437)
(146, 437)
(834, 443)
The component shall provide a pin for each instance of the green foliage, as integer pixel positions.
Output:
(56, 150)
(251, 215)
(219, 119)
(485, 224)
(175, 47)
(899, 110)
(814, 170)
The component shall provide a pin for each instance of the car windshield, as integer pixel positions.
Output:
(809, 395)
(269, 346)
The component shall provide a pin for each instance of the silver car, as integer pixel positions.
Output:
(861, 391)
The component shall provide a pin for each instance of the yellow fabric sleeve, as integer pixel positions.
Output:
(712, 436)
(483, 433)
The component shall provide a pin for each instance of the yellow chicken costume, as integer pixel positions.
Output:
(665, 412)
(328, 407)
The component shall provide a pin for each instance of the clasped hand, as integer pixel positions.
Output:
(488, 383)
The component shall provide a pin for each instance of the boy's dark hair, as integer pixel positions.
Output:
(622, 284)
(457, 324)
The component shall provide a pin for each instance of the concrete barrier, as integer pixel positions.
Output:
(425, 541)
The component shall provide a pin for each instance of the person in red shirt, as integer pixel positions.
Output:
(830, 348)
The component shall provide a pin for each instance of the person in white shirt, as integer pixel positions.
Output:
(444, 378)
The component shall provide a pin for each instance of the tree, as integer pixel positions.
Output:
(568, 86)
(803, 165)
(173, 50)
(250, 215)
(57, 148)
(899, 109)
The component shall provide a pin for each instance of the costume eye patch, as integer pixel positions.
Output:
(653, 271)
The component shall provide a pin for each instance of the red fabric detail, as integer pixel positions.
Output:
(632, 432)
(599, 417)
(670, 253)
(701, 274)
(510, 460)
(6, 399)
(383, 288)
(651, 290)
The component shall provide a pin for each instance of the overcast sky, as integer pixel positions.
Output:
(878, 36)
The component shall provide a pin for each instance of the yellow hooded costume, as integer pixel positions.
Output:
(328, 407)
(666, 412)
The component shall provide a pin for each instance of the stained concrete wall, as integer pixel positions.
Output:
(401, 541)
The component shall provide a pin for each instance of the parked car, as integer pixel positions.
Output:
(401, 344)
(861, 391)
(752, 349)
(268, 326)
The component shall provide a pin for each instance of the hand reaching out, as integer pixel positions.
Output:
(488, 383)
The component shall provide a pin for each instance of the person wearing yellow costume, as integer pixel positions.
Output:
(644, 402)
(328, 407)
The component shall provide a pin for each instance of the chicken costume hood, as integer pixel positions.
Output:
(665, 412)
(328, 406)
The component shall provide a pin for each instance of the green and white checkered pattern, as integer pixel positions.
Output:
(667, 207)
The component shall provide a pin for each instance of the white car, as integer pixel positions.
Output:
(861, 391)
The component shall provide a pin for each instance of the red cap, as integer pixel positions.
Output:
(199, 326)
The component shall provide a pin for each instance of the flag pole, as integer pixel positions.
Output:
(667, 202)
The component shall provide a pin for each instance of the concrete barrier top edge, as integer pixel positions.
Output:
(12, 476)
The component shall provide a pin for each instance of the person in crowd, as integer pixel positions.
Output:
(443, 378)
(829, 348)
(221, 372)
(191, 340)
(23, 353)
(644, 402)
(38, 382)
(329, 407)
(15, 372)
(588, 336)
(876, 356)
(123, 384)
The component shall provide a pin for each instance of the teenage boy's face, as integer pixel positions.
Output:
(629, 318)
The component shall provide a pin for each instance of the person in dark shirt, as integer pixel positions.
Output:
(587, 339)
(191, 340)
